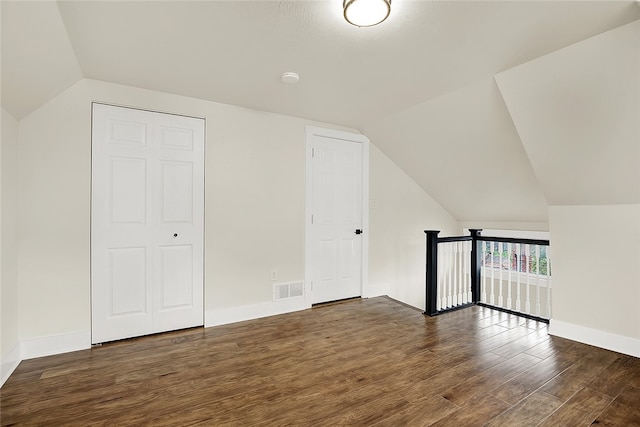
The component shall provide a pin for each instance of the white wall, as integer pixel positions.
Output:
(400, 211)
(489, 226)
(576, 111)
(9, 351)
(254, 209)
(254, 203)
(596, 280)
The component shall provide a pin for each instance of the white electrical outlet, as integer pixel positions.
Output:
(274, 274)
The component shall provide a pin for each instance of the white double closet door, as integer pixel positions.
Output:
(147, 222)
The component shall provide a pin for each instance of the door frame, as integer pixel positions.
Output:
(312, 131)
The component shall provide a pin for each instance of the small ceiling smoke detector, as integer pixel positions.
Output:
(290, 78)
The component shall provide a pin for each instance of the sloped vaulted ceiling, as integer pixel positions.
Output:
(38, 62)
(577, 111)
(421, 85)
(466, 153)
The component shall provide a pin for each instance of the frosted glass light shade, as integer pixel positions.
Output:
(366, 13)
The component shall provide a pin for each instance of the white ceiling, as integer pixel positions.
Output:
(38, 61)
(425, 72)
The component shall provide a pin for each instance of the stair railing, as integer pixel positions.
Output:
(508, 274)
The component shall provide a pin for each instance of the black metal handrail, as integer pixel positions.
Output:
(512, 240)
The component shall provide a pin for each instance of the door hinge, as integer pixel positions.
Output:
(312, 219)
(313, 152)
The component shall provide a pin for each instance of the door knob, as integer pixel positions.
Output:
(358, 231)
(175, 234)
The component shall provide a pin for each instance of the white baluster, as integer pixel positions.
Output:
(461, 290)
(445, 294)
(444, 276)
(461, 271)
(483, 272)
(449, 284)
(454, 271)
(440, 294)
(500, 249)
(492, 297)
(548, 282)
(510, 253)
(467, 271)
(538, 280)
(452, 268)
(518, 275)
(527, 304)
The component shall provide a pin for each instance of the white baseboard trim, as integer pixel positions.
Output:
(54, 344)
(595, 337)
(10, 362)
(376, 290)
(224, 316)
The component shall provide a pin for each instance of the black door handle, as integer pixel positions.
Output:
(358, 231)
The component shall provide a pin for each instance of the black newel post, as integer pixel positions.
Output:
(476, 264)
(432, 272)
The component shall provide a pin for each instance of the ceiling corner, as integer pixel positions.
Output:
(38, 62)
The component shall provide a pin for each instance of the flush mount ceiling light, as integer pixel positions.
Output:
(366, 13)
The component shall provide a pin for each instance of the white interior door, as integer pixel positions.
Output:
(336, 242)
(147, 210)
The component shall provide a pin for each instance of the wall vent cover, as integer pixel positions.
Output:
(287, 290)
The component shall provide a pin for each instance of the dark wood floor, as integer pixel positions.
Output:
(362, 362)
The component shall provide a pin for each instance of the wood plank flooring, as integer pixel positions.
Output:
(371, 362)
